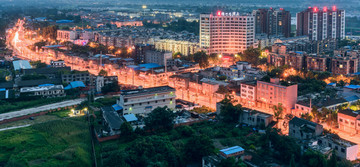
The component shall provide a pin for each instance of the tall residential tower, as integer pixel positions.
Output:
(320, 24)
(226, 33)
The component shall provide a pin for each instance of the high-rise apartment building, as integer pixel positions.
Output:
(226, 33)
(272, 22)
(320, 24)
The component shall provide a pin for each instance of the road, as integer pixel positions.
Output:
(41, 108)
(15, 127)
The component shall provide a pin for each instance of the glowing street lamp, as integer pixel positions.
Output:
(220, 56)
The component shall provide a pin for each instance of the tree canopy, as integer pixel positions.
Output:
(160, 118)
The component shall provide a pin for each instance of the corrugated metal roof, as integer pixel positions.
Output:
(130, 117)
(232, 150)
(21, 64)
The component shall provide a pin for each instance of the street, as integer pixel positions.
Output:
(41, 108)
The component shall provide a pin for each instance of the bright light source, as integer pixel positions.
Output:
(325, 9)
(219, 13)
(144, 6)
(220, 56)
(334, 8)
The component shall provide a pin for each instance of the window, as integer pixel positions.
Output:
(343, 150)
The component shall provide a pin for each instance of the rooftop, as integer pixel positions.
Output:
(41, 88)
(300, 122)
(232, 150)
(112, 117)
(147, 90)
(21, 64)
(350, 112)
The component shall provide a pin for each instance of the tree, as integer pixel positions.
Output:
(306, 116)
(316, 114)
(332, 162)
(251, 55)
(202, 58)
(103, 73)
(160, 118)
(126, 130)
(231, 162)
(292, 161)
(152, 150)
(111, 87)
(341, 83)
(278, 111)
(313, 159)
(38, 64)
(229, 112)
(198, 146)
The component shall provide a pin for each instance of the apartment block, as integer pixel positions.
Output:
(321, 24)
(143, 101)
(272, 93)
(226, 33)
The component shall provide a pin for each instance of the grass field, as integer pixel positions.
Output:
(56, 143)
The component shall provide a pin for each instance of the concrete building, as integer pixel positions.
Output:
(248, 93)
(303, 129)
(132, 23)
(226, 33)
(273, 92)
(161, 58)
(43, 91)
(272, 22)
(321, 24)
(255, 118)
(349, 121)
(344, 65)
(67, 35)
(296, 60)
(83, 76)
(186, 48)
(112, 119)
(143, 101)
(316, 62)
(344, 149)
(59, 63)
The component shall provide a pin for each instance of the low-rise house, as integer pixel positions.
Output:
(349, 121)
(112, 119)
(343, 148)
(255, 118)
(303, 129)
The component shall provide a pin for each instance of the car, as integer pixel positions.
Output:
(31, 118)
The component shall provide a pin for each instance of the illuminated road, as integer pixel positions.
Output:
(33, 110)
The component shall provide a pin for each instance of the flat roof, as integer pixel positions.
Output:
(147, 90)
(41, 88)
(130, 117)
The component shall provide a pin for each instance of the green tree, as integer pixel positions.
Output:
(292, 161)
(103, 73)
(198, 146)
(332, 162)
(313, 159)
(111, 87)
(251, 55)
(126, 130)
(278, 111)
(152, 150)
(160, 118)
(229, 112)
(231, 162)
(202, 58)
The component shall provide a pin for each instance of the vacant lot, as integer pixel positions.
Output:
(55, 143)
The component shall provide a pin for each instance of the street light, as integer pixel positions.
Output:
(220, 55)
